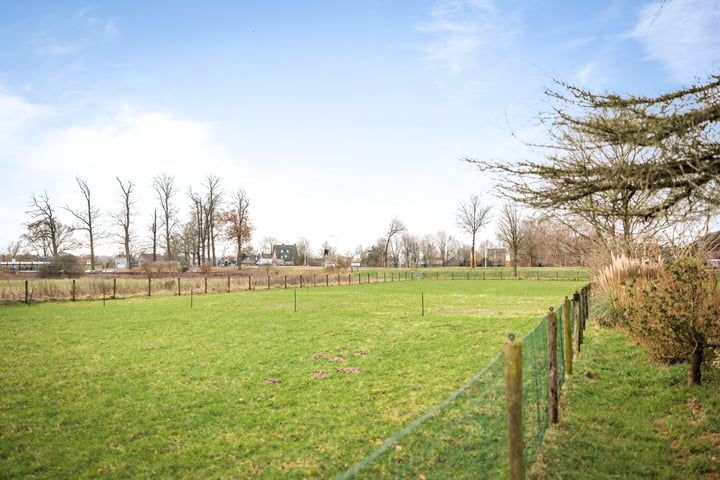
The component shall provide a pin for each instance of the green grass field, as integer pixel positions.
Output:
(296, 383)
(623, 416)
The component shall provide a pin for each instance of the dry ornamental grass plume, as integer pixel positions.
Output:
(672, 311)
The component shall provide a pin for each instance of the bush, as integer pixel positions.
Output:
(672, 311)
(151, 268)
(62, 266)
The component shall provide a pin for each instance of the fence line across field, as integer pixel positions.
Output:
(92, 287)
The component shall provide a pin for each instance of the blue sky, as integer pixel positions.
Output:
(334, 116)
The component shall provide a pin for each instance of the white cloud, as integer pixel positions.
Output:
(15, 113)
(131, 145)
(683, 35)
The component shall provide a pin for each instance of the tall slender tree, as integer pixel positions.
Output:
(213, 201)
(165, 189)
(511, 232)
(87, 217)
(472, 215)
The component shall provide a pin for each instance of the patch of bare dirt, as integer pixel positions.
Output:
(318, 373)
(349, 370)
(337, 358)
(269, 381)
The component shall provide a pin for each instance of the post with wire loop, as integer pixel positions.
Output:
(512, 366)
(553, 397)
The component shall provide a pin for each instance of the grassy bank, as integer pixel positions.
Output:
(625, 417)
(297, 383)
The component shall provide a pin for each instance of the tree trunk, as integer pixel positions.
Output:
(473, 262)
(694, 372)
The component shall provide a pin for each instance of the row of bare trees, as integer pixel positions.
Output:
(529, 240)
(214, 213)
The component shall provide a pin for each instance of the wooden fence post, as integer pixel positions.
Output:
(206, 285)
(27, 293)
(179, 291)
(228, 286)
(576, 322)
(114, 288)
(73, 290)
(512, 366)
(149, 286)
(567, 337)
(552, 365)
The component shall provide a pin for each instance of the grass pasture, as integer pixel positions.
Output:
(296, 383)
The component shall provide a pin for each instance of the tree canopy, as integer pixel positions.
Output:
(624, 163)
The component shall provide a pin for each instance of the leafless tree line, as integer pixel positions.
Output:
(193, 239)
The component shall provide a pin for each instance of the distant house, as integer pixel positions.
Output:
(250, 259)
(121, 262)
(284, 254)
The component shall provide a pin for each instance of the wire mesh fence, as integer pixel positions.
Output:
(465, 435)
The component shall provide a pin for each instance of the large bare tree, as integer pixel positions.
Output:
(87, 217)
(124, 217)
(629, 165)
(164, 186)
(472, 215)
(46, 232)
(395, 227)
(237, 223)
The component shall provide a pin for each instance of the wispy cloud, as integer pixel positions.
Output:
(56, 49)
(89, 14)
(583, 76)
(683, 35)
(460, 30)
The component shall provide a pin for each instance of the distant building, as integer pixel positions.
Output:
(284, 254)
(121, 262)
(250, 259)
